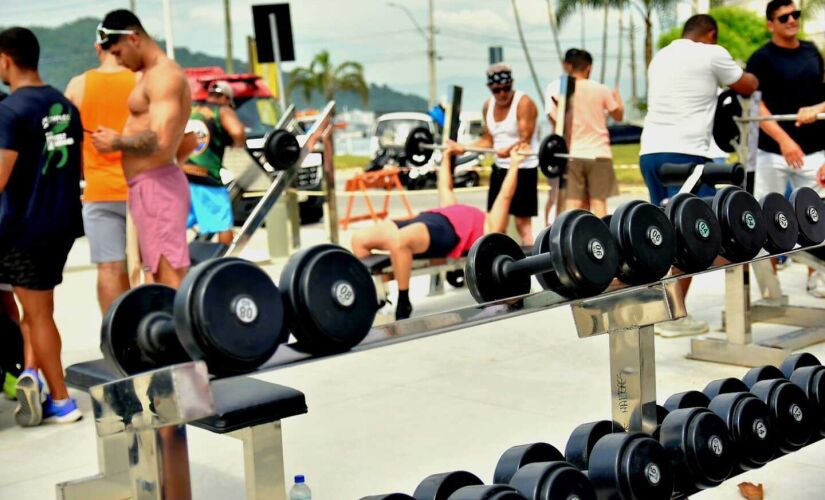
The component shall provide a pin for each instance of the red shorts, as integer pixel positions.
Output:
(159, 205)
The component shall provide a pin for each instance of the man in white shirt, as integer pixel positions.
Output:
(683, 79)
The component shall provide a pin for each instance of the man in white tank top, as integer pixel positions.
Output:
(510, 121)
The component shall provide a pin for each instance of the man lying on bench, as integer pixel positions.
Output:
(445, 232)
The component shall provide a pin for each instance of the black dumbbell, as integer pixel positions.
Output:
(330, 299)
(456, 278)
(576, 257)
(810, 214)
(487, 492)
(538, 471)
(646, 241)
(743, 225)
(747, 419)
(698, 234)
(780, 222)
(227, 312)
(389, 496)
(790, 415)
(621, 466)
(461, 485)
(281, 149)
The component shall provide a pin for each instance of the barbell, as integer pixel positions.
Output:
(552, 153)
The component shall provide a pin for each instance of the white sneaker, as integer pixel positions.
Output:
(682, 327)
(816, 285)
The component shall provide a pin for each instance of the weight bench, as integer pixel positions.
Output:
(245, 408)
(380, 268)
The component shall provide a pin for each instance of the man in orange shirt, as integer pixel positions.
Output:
(592, 180)
(100, 94)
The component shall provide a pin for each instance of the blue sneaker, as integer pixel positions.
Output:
(64, 412)
(29, 411)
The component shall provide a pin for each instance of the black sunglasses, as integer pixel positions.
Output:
(785, 17)
(499, 90)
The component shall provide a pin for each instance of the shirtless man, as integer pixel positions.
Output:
(158, 110)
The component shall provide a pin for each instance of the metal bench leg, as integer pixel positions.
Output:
(263, 461)
(437, 283)
(113, 480)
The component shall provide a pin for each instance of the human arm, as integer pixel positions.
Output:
(615, 106)
(728, 73)
(8, 158)
(526, 114)
(187, 144)
(793, 154)
(497, 217)
(233, 126)
(74, 90)
(551, 102)
(446, 195)
(8, 148)
(807, 114)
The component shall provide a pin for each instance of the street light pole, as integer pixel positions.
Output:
(429, 37)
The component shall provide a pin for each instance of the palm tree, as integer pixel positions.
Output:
(524, 46)
(554, 28)
(325, 78)
(568, 7)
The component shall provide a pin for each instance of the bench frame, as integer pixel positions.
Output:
(436, 269)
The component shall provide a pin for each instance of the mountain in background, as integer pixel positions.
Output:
(66, 51)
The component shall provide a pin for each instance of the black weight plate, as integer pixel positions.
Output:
(780, 221)
(631, 466)
(757, 373)
(281, 149)
(589, 258)
(333, 299)
(810, 214)
(389, 496)
(487, 492)
(647, 242)
(696, 440)
(121, 326)
(441, 486)
(798, 360)
(582, 440)
(698, 234)
(229, 313)
(724, 386)
(749, 427)
(518, 456)
(725, 128)
(484, 281)
(687, 399)
(551, 481)
(790, 412)
(548, 280)
(811, 379)
(413, 151)
(743, 225)
(550, 163)
(456, 278)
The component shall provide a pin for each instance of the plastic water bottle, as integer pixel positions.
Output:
(300, 490)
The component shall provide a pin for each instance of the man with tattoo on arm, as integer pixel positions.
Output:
(158, 110)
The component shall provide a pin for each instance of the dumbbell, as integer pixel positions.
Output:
(789, 410)
(227, 312)
(281, 149)
(552, 153)
(747, 419)
(456, 278)
(389, 496)
(780, 222)
(538, 471)
(330, 299)
(810, 215)
(462, 485)
(698, 234)
(743, 225)
(620, 465)
(576, 257)
(646, 241)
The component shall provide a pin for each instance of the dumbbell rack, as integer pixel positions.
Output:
(737, 346)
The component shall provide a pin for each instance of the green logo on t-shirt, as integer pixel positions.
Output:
(58, 141)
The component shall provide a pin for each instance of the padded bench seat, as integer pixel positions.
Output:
(239, 401)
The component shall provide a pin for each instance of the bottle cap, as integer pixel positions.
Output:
(299, 479)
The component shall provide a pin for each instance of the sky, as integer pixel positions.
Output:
(378, 35)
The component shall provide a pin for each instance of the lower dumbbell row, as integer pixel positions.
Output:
(702, 439)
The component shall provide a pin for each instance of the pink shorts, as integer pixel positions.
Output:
(159, 204)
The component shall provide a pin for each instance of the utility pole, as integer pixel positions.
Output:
(431, 56)
(132, 6)
(227, 17)
(167, 24)
(633, 90)
(526, 52)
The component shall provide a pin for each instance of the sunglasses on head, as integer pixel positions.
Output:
(499, 90)
(104, 36)
(784, 18)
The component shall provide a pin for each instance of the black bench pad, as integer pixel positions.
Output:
(376, 262)
(239, 401)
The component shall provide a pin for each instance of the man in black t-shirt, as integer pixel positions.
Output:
(40, 217)
(790, 73)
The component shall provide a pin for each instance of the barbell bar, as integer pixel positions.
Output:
(776, 118)
(552, 153)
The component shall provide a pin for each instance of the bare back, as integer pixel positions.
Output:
(158, 110)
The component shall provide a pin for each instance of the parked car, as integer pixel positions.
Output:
(258, 110)
(391, 130)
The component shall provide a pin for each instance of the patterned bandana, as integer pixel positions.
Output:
(500, 77)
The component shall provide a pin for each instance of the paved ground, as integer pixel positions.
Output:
(383, 419)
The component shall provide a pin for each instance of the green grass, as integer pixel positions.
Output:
(345, 162)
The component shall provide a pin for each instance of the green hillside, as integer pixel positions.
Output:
(67, 51)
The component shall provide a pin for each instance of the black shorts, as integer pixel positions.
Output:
(526, 198)
(37, 269)
(443, 238)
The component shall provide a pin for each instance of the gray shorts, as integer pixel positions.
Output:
(105, 226)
